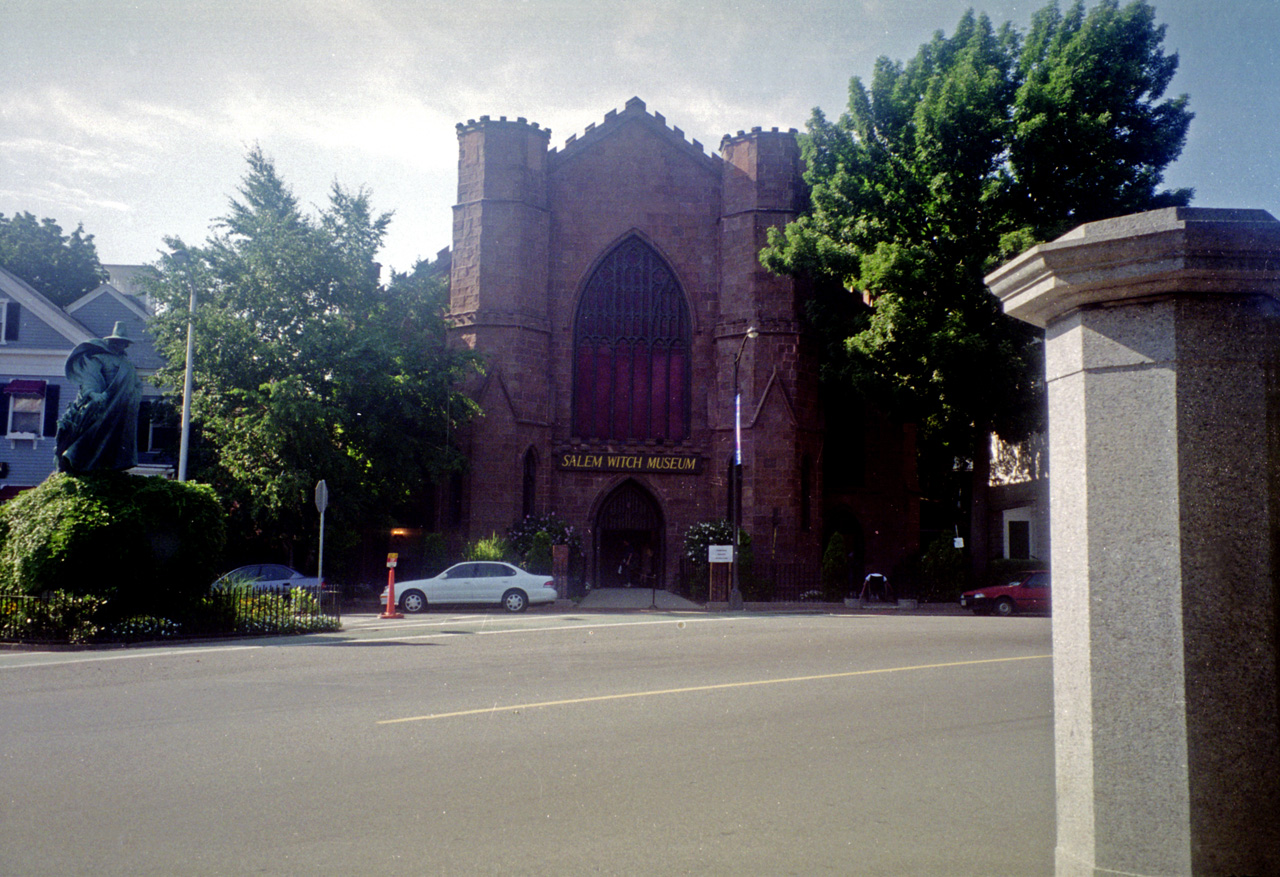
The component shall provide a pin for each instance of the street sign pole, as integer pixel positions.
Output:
(322, 503)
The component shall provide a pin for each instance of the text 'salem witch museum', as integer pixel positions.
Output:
(610, 286)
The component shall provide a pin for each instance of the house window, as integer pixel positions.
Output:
(8, 321)
(32, 409)
(631, 350)
(158, 431)
(26, 415)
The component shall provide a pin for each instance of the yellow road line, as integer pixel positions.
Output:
(694, 688)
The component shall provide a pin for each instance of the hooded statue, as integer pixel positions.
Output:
(99, 430)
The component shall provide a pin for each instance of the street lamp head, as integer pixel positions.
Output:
(753, 332)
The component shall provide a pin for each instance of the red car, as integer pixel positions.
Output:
(1028, 594)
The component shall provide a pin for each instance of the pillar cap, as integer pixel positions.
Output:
(1174, 250)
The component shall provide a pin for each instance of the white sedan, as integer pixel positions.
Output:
(476, 581)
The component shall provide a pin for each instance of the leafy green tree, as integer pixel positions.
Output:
(306, 367)
(981, 145)
(63, 267)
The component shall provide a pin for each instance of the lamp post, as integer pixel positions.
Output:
(735, 593)
(183, 258)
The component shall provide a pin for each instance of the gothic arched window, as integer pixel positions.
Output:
(631, 350)
(530, 499)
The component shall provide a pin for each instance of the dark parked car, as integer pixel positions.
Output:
(275, 577)
(1027, 594)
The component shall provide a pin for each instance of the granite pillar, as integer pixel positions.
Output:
(1162, 352)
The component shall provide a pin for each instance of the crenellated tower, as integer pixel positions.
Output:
(498, 301)
(763, 188)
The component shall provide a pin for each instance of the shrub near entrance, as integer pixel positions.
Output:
(698, 538)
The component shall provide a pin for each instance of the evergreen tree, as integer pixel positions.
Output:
(306, 367)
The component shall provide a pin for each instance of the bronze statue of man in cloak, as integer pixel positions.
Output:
(99, 430)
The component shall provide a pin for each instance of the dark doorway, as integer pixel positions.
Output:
(842, 520)
(629, 539)
(1019, 540)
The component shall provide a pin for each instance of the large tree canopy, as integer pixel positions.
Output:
(306, 367)
(63, 267)
(985, 142)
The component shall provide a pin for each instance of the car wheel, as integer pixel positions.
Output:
(413, 601)
(1004, 606)
(514, 601)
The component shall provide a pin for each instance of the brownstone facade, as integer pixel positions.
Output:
(610, 285)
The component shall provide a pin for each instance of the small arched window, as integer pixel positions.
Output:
(529, 505)
(806, 492)
(631, 350)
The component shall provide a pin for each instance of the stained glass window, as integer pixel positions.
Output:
(631, 350)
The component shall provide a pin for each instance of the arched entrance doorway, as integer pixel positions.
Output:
(628, 547)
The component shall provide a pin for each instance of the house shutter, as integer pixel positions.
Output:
(11, 312)
(51, 393)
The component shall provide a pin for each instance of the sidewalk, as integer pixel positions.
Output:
(607, 599)
(635, 598)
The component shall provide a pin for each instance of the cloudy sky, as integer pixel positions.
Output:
(133, 118)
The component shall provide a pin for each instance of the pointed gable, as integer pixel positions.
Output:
(633, 174)
(100, 309)
(33, 322)
(633, 123)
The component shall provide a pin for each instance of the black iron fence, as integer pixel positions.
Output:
(235, 611)
(761, 581)
(787, 581)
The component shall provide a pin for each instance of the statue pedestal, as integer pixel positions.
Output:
(1162, 350)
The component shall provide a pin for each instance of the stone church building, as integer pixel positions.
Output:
(610, 285)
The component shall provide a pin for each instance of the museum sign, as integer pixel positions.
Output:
(653, 464)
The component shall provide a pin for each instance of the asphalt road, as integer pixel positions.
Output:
(645, 743)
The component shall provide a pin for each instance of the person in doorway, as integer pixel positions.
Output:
(627, 569)
(648, 576)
